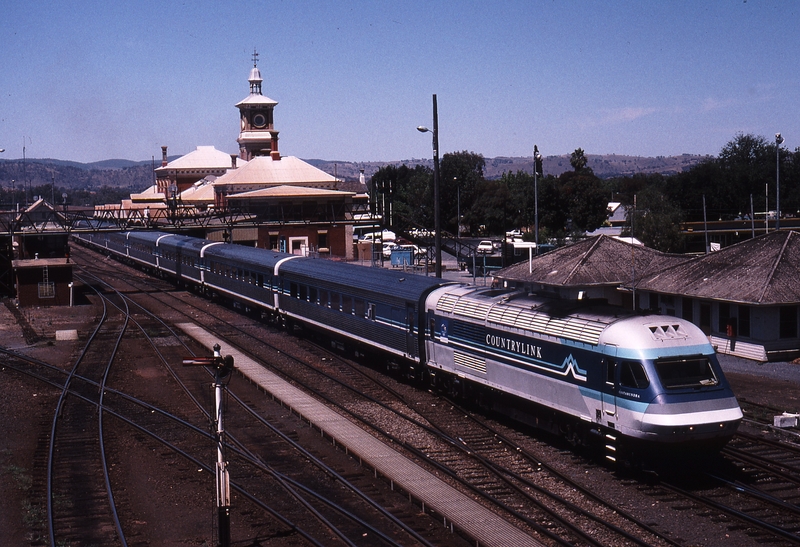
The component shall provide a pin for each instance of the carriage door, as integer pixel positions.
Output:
(609, 394)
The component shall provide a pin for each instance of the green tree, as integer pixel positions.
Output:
(405, 192)
(460, 176)
(657, 219)
(578, 160)
(492, 213)
(585, 195)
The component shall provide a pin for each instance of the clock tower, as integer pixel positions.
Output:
(258, 136)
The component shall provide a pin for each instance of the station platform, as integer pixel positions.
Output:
(458, 510)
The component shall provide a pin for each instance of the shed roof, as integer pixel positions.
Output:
(762, 270)
(599, 260)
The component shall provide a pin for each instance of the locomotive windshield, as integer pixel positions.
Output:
(685, 373)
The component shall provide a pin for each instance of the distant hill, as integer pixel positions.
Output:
(138, 176)
(604, 166)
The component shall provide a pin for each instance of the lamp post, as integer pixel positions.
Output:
(778, 142)
(437, 234)
(536, 157)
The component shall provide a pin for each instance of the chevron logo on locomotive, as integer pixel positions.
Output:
(568, 366)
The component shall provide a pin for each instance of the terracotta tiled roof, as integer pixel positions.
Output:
(289, 191)
(287, 170)
(599, 260)
(762, 270)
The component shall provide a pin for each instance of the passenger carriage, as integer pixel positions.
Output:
(375, 308)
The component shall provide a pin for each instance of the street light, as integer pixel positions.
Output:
(437, 234)
(536, 158)
(778, 142)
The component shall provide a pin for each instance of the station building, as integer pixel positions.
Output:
(745, 297)
(271, 201)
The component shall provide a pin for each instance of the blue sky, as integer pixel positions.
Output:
(88, 81)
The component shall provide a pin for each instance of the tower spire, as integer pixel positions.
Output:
(255, 76)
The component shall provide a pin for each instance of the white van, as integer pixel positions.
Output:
(386, 235)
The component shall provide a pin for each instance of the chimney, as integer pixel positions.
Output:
(274, 152)
(164, 156)
(233, 161)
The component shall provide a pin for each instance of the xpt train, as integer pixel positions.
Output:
(584, 370)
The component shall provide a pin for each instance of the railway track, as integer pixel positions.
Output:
(386, 420)
(505, 487)
(256, 471)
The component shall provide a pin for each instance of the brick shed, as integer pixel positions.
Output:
(43, 281)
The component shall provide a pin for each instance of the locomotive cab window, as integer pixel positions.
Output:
(632, 374)
(685, 373)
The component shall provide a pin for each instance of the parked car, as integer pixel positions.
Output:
(485, 247)
(387, 249)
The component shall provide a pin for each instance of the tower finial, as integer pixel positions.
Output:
(255, 58)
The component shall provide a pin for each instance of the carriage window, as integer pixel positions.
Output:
(312, 295)
(359, 305)
(347, 304)
(631, 374)
(303, 292)
(293, 290)
(371, 311)
(323, 297)
(683, 373)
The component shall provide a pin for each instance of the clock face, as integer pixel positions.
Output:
(259, 120)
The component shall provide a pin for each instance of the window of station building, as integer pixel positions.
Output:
(687, 309)
(322, 240)
(788, 322)
(705, 317)
(724, 316)
(744, 320)
(668, 302)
